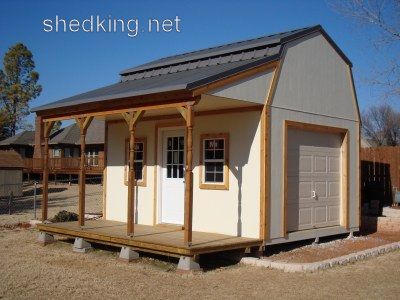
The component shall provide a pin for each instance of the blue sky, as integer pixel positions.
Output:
(74, 62)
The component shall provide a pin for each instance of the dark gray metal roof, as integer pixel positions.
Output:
(70, 135)
(188, 71)
(24, 138)
(258, 45)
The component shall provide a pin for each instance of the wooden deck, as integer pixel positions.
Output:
(64, 165)
(160, 239)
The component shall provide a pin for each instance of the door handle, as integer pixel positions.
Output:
(314, 194)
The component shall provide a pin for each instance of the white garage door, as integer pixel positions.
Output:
(313, 183)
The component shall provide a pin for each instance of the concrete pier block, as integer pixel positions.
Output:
(128, 254)
(81, 246)
(45, 238)
(188, 264)
(351, 235)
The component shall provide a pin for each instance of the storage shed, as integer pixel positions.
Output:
(242, 145)
(11, 166)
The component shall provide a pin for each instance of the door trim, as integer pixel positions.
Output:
(159, 128)
(344, 150)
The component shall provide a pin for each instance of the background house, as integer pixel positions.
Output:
(64, 150)
(22, 143)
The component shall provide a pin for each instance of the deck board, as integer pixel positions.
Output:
(167, 240)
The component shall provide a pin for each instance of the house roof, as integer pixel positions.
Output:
(24, 138)
(10, 159)
(188, 71)
(70, 135)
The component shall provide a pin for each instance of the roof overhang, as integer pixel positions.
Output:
(168, 99)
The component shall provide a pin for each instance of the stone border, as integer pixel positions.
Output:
(320, 265)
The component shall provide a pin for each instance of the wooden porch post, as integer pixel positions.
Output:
(189, 176)
(131, 119)
(45, 165)
(83, 124)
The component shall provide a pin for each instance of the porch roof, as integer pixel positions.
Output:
(173, 82)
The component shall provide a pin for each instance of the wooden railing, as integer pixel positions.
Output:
(65, 164)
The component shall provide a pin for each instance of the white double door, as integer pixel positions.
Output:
(172, 176)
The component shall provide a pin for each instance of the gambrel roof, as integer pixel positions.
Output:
(188, 71)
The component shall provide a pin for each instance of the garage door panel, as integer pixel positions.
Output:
(334, 164)
(319, 164)
(305, 164)
(314, 164)
(299, 216)
(333, 213)
(321, 214)
(320, 188)
(334, 189)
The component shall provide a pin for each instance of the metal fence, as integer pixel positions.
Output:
(23, 203)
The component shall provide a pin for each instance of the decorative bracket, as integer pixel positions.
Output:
(132, 118)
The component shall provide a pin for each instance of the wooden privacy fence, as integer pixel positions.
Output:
(380, 174)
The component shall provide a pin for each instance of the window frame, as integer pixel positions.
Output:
(92, 156)
(143, 181)
(214, 185)
(59, 151)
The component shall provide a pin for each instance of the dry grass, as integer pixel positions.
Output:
(29, 270)
(61, 197)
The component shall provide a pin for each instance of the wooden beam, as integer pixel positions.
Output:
(344, 220)
(47, 127)
(131, 184)
(132, 117)
(183, 112)
(107, 112)
(45, 164)
(265, 150)
(235, 77)
(189, 178)
(83, 124)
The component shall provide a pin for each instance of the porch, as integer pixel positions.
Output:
(159, 239)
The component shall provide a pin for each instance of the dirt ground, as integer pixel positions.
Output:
(331, 248)
(61, 197)
(29, 270)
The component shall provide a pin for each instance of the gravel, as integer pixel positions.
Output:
(331, 249)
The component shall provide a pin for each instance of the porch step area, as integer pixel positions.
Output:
(165, 240)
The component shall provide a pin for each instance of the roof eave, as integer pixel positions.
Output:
(117, 104)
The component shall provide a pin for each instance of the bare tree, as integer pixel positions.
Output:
(382, 19)
(381, 125)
